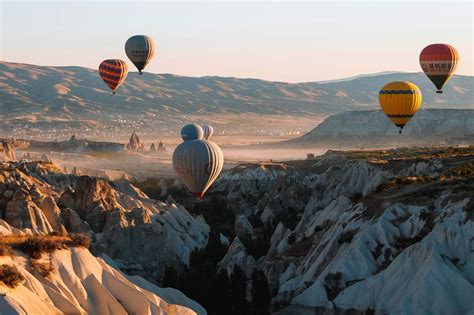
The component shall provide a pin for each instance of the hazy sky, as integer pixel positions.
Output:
(292, 42)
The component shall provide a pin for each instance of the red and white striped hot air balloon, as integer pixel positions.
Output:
(439, 62)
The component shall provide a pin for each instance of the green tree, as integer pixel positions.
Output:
(261, 298)
(170, 279)
(238, 290)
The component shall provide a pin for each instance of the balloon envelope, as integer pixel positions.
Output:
(113, 72)
(140, 49)
(400, 101)
(208, 131)
(198, 163)
(439, 62)
(192, 132)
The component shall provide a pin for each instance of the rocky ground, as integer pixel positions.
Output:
(390, 231)
(384, 231)
(142, 235)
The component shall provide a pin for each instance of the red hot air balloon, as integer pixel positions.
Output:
(438, 62)
(113, 72)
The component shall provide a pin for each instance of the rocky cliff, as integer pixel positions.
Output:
(70, 280)
(142, 235)
(374, 128)
(384, 231)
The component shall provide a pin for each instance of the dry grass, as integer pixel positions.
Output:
(10, 276)
(5, 250)
(44, 269)
(34, 246)
(79, 240)
(411, 153)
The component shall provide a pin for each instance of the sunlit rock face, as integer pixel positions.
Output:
(122, 221)
(76, 282)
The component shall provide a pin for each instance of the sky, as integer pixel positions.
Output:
(278, 41)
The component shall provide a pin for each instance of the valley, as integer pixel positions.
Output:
(322, 231)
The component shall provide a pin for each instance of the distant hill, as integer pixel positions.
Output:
(374, 128)
(358, 77)
(77, 96)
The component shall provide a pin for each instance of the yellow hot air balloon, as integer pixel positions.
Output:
(400, 101)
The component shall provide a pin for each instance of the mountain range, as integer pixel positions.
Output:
(50, 97)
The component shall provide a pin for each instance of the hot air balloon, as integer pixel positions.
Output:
(196, 161)
(140, 49)
(400, 101)
(439, 62)
(113, 72)
(192, 132)
(208, 131)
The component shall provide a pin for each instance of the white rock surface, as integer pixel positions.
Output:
(237, 256)
(83, 284)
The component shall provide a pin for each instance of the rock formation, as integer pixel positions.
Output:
(161, 147)
(76, 171)
(8, 152)
(373, 128)
(237, 256)
(125, 223)
(152, 147)
(135, 144)
(357, 226)
(76, 145)
(28, 156)
(243, 228)
(73, 281)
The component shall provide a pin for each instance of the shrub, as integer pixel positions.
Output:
(462, 170)
(37, 245)
(43, 269)
(55, 233)
(79, 240)
(291, 238)
(5, 250)
(34, 247)
(346, 236)
(333, 284)
(10, 276)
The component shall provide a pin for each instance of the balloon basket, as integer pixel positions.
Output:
(439, 92)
